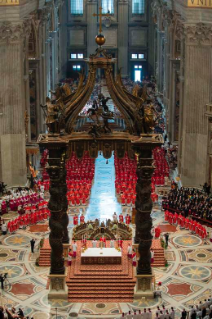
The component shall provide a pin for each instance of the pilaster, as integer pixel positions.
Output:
(92, 29)
(197, 93)
(123, 8)
(12, 97)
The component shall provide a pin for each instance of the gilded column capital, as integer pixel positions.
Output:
(11, 32)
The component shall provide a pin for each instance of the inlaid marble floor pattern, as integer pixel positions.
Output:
(185, 281)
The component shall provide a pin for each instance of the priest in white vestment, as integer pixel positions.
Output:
(115, 218)
(94, 243)
(112, 245)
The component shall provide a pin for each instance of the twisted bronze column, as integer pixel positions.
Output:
(58, 206)
(143, 204)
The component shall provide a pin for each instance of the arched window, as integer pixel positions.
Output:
(77, 7)
(138, 6)
(108, 6)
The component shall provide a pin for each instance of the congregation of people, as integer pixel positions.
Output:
(202, 310)
(79, 179)
(29, 205)
(189, 202)
(19, 199)
(12, 313)
(160, 313)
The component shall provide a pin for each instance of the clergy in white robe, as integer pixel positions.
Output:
(94, 243)
(145, 314)
(129, 315)
(149, 314)
(161, 315)
(158, 310)
(167, 314)
(112, 245)
(129, 251)
(172, 313)
(137, 315)
(115, 218)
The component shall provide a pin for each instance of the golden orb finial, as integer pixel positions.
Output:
(100, 39)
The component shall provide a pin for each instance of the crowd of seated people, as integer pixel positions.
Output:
(30, 217)
(161, 167)
(12, 313)
(80, 174)
(161, 313)
(16, 200)
(79, 179)
(202, 310)
(126, 178)
(189, 202)
(172, 156)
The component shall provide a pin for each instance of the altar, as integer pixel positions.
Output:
(102, 256)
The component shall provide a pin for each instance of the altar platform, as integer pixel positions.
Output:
(101, 256)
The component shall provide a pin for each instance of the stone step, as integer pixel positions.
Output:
(96, 290)
(99, 281)
(99, 294)
(102, 300)
(103, 284)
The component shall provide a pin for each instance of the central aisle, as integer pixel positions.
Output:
(103, 202)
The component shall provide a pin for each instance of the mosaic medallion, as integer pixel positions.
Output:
(12, 271)
(17, 240)
(187, 240)
(195, 272)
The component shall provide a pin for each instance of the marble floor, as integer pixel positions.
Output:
(185, 281)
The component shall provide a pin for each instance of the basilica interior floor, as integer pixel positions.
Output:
(185, 281)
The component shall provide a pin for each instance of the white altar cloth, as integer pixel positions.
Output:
(98, 252)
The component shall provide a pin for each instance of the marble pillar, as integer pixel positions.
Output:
(12, 97)
(123, 8)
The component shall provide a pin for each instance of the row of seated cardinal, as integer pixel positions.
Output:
(126, 179)
(186, 223)
(161, 166)
(79, 178)
(28, 219)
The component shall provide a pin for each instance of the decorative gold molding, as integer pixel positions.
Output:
(9, 2)
(205, 4)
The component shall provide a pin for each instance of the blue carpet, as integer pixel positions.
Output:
(103, 202)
